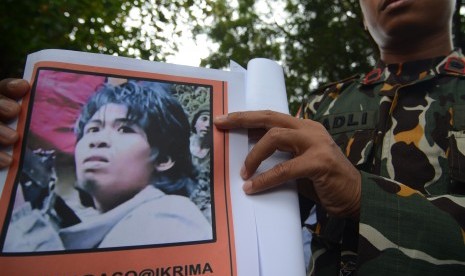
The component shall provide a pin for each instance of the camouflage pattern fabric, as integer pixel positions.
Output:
(403, 127)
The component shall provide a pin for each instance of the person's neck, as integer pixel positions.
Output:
(107, 203)
(200, 141)
(430, 47)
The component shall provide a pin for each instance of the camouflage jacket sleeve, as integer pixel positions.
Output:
(405, 232)
(408, 142)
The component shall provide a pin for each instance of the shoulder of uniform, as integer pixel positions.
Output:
(317, 96)
(454, 64)
(337, 85)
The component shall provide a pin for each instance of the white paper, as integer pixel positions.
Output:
(265, 86)
(276, 212)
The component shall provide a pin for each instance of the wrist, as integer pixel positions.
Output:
(353, 210)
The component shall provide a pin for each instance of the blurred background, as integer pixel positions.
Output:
(316, 41)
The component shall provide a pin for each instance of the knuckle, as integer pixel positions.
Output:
(260, 183)
(240, 118)
(236, 115)
(326, 160)
(273, 177)
(268, 112)
(239, 114)
(281, 170)
(275, 133)
(269, 116)
(318, 126)
(309, 121)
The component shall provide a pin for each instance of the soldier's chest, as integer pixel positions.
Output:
(405, 136)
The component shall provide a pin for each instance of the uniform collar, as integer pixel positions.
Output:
(410, 72)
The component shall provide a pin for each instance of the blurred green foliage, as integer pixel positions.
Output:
(316, 41)
(319, 41)
(99, 26)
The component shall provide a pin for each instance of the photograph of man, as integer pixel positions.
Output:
(201, 139)
(132, 159)
(200, 147)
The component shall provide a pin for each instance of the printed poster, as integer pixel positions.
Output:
(120, 172)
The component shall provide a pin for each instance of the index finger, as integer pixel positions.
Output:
(264, 119)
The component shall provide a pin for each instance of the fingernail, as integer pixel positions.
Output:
(247, 187)
(5, 160)
(8, 106)
(7, 135)
(14, 83)
(221, 118)
(244, 172)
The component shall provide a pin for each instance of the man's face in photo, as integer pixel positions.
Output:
(202, 124)
(113, 157)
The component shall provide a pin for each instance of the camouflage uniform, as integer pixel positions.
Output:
(403, 127)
